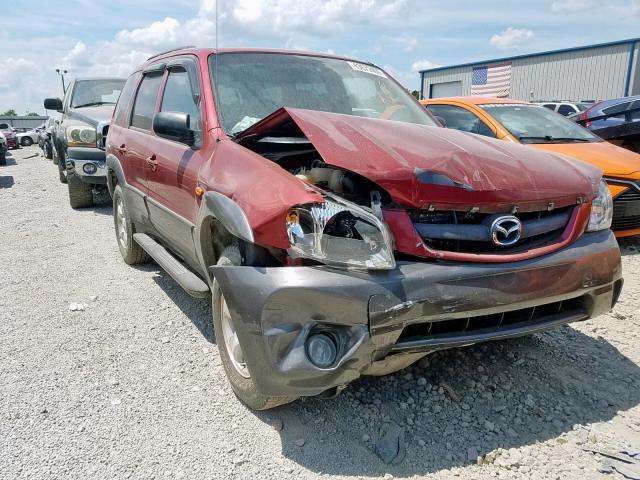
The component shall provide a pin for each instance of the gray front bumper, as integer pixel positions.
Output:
(275, 308)
(78, 157)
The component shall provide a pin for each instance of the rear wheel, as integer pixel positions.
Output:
(131, 252)
(80, 193)
(48, 151)
(231, 351)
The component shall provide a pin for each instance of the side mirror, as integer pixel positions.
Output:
(53, 104)
(174, 126)
(442, 121)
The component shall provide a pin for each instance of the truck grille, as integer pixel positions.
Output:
(626, 210)
(467, 232)
(495, 323)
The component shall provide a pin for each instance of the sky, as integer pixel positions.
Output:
(97, 37)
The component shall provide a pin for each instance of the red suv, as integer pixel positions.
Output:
(340, 231)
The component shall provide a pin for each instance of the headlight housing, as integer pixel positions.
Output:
(340, 233)
(81, 136)
(601, 209)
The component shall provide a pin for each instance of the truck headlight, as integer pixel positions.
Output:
(81, 136)
(341, 233)
(601, 209)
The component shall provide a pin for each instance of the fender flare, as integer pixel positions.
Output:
(230, 215)
(114, 165)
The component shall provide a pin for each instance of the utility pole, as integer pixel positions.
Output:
(62, 73)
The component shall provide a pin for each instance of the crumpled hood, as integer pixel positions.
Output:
(421, 166)
(92, 115)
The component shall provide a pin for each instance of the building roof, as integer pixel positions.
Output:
(539, 54)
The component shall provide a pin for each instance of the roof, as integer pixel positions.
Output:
(475, 100)
(539, 54)
(209, 51)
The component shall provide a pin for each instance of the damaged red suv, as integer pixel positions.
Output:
(340, 231)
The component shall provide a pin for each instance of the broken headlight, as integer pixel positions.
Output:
(341, 233)
(601, 209)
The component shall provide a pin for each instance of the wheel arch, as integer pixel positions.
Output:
(115, 174)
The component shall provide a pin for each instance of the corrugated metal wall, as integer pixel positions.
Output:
(23, 121)
(593, 73)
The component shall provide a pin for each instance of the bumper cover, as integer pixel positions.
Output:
(274, 309)
(78, 157)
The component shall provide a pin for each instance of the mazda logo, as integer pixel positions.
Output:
(506, 231)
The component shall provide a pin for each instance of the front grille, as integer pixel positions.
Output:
(469, 232)
(626, 210)
(525, 317)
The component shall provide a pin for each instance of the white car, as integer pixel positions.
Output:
(566, 108)
(29, 137)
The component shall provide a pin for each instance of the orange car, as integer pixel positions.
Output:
(526, 123)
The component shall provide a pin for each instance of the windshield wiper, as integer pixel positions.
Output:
(570, 139)
(94, 104)
(549, 138)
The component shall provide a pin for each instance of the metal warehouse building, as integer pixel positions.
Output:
(592, 72)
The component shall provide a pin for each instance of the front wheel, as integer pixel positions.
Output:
(3, 156)
(27, 141)
(80, 193)
(231, 351)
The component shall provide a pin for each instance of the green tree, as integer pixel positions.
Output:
(416, 94)
(33, 114)
(9, 113)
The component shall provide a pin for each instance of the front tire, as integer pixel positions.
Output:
(80, 193)
(3, 157)
(237, 370)
(27, 141)
(131, 252)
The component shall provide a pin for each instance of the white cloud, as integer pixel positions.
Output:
(423, 64)
(511, 38)
(572, 6)
(408, 42)
(287, 16)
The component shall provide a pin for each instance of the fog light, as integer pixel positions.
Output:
(322, 350)
(89, 168)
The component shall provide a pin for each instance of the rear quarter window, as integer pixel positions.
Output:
(122, 107)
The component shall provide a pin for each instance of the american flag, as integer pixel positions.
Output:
(491, 80)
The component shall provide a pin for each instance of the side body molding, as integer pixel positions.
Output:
(230, 214)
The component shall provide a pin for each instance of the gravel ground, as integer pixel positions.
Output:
(130, 385)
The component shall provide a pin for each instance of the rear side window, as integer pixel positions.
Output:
(120, 114)
(145, 104)
(550, 106)
(178, 97)
(566, 110)
(461, 119)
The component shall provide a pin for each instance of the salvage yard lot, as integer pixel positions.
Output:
(131, 386)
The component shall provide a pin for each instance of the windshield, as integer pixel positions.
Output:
(88, 93)
(250, 86)
(536, 124)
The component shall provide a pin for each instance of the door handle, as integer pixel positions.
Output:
(122, 148)
(152, 162)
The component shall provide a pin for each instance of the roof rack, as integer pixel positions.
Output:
(169, 51)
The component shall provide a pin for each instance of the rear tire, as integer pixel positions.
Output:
(131, 252)
(238, 372)
(3, 157)
(48, 151)
(80, 193)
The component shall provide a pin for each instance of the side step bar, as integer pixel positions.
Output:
(188, 280)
